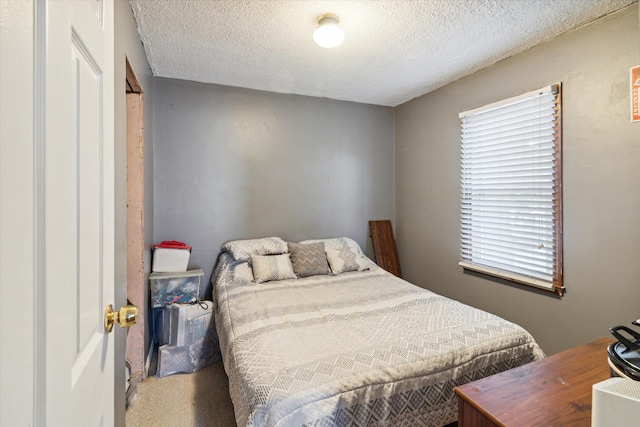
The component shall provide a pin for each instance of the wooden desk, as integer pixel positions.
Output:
(555, 391)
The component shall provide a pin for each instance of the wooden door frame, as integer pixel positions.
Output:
(135, 225)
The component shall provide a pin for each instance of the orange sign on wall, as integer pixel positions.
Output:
(635, 91)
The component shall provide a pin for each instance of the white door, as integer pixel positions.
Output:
(79, 212)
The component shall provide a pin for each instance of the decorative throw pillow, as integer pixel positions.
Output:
(242, 271)
(343, 260)
(242, 250)
(349, 254)
(308, 260)
(271, 267)
(338, 243)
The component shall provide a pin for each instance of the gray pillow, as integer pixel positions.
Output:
(308, 260)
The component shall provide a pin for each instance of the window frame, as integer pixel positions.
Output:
(556, 284)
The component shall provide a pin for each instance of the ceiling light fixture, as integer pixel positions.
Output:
(328, 34)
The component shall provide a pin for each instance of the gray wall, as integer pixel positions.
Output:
(601, 151)
(236, 163)
(127, 44)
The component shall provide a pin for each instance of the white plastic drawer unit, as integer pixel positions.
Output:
(174, 288)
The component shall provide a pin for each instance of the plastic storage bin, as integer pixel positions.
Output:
(186, 359)
(189, 337)
(184, 324)
(170, 256)
(173, 288)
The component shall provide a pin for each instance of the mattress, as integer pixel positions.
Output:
(359, 348)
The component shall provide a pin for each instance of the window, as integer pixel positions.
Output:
(511, 189)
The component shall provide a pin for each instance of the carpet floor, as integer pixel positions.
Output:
(200, 399)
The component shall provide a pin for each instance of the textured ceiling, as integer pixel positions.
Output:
(394, 50)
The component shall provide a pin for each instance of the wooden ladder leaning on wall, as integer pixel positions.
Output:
(384, 246)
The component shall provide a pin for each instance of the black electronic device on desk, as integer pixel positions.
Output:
(624, 354)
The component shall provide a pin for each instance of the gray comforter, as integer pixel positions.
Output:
(359, 348)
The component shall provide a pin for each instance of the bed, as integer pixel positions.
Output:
(350, 345)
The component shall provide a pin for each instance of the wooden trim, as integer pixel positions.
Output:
(513, 278)
(132, 85)
(135, 222)
(558, 281)
(135, 234)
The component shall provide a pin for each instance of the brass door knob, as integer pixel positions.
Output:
(127, 316)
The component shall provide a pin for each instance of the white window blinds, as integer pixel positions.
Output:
(511, 215)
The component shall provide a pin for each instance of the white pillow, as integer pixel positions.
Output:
(272, 267)
(343, 260)
(242, 271)
(242, 250)
(344, 254)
